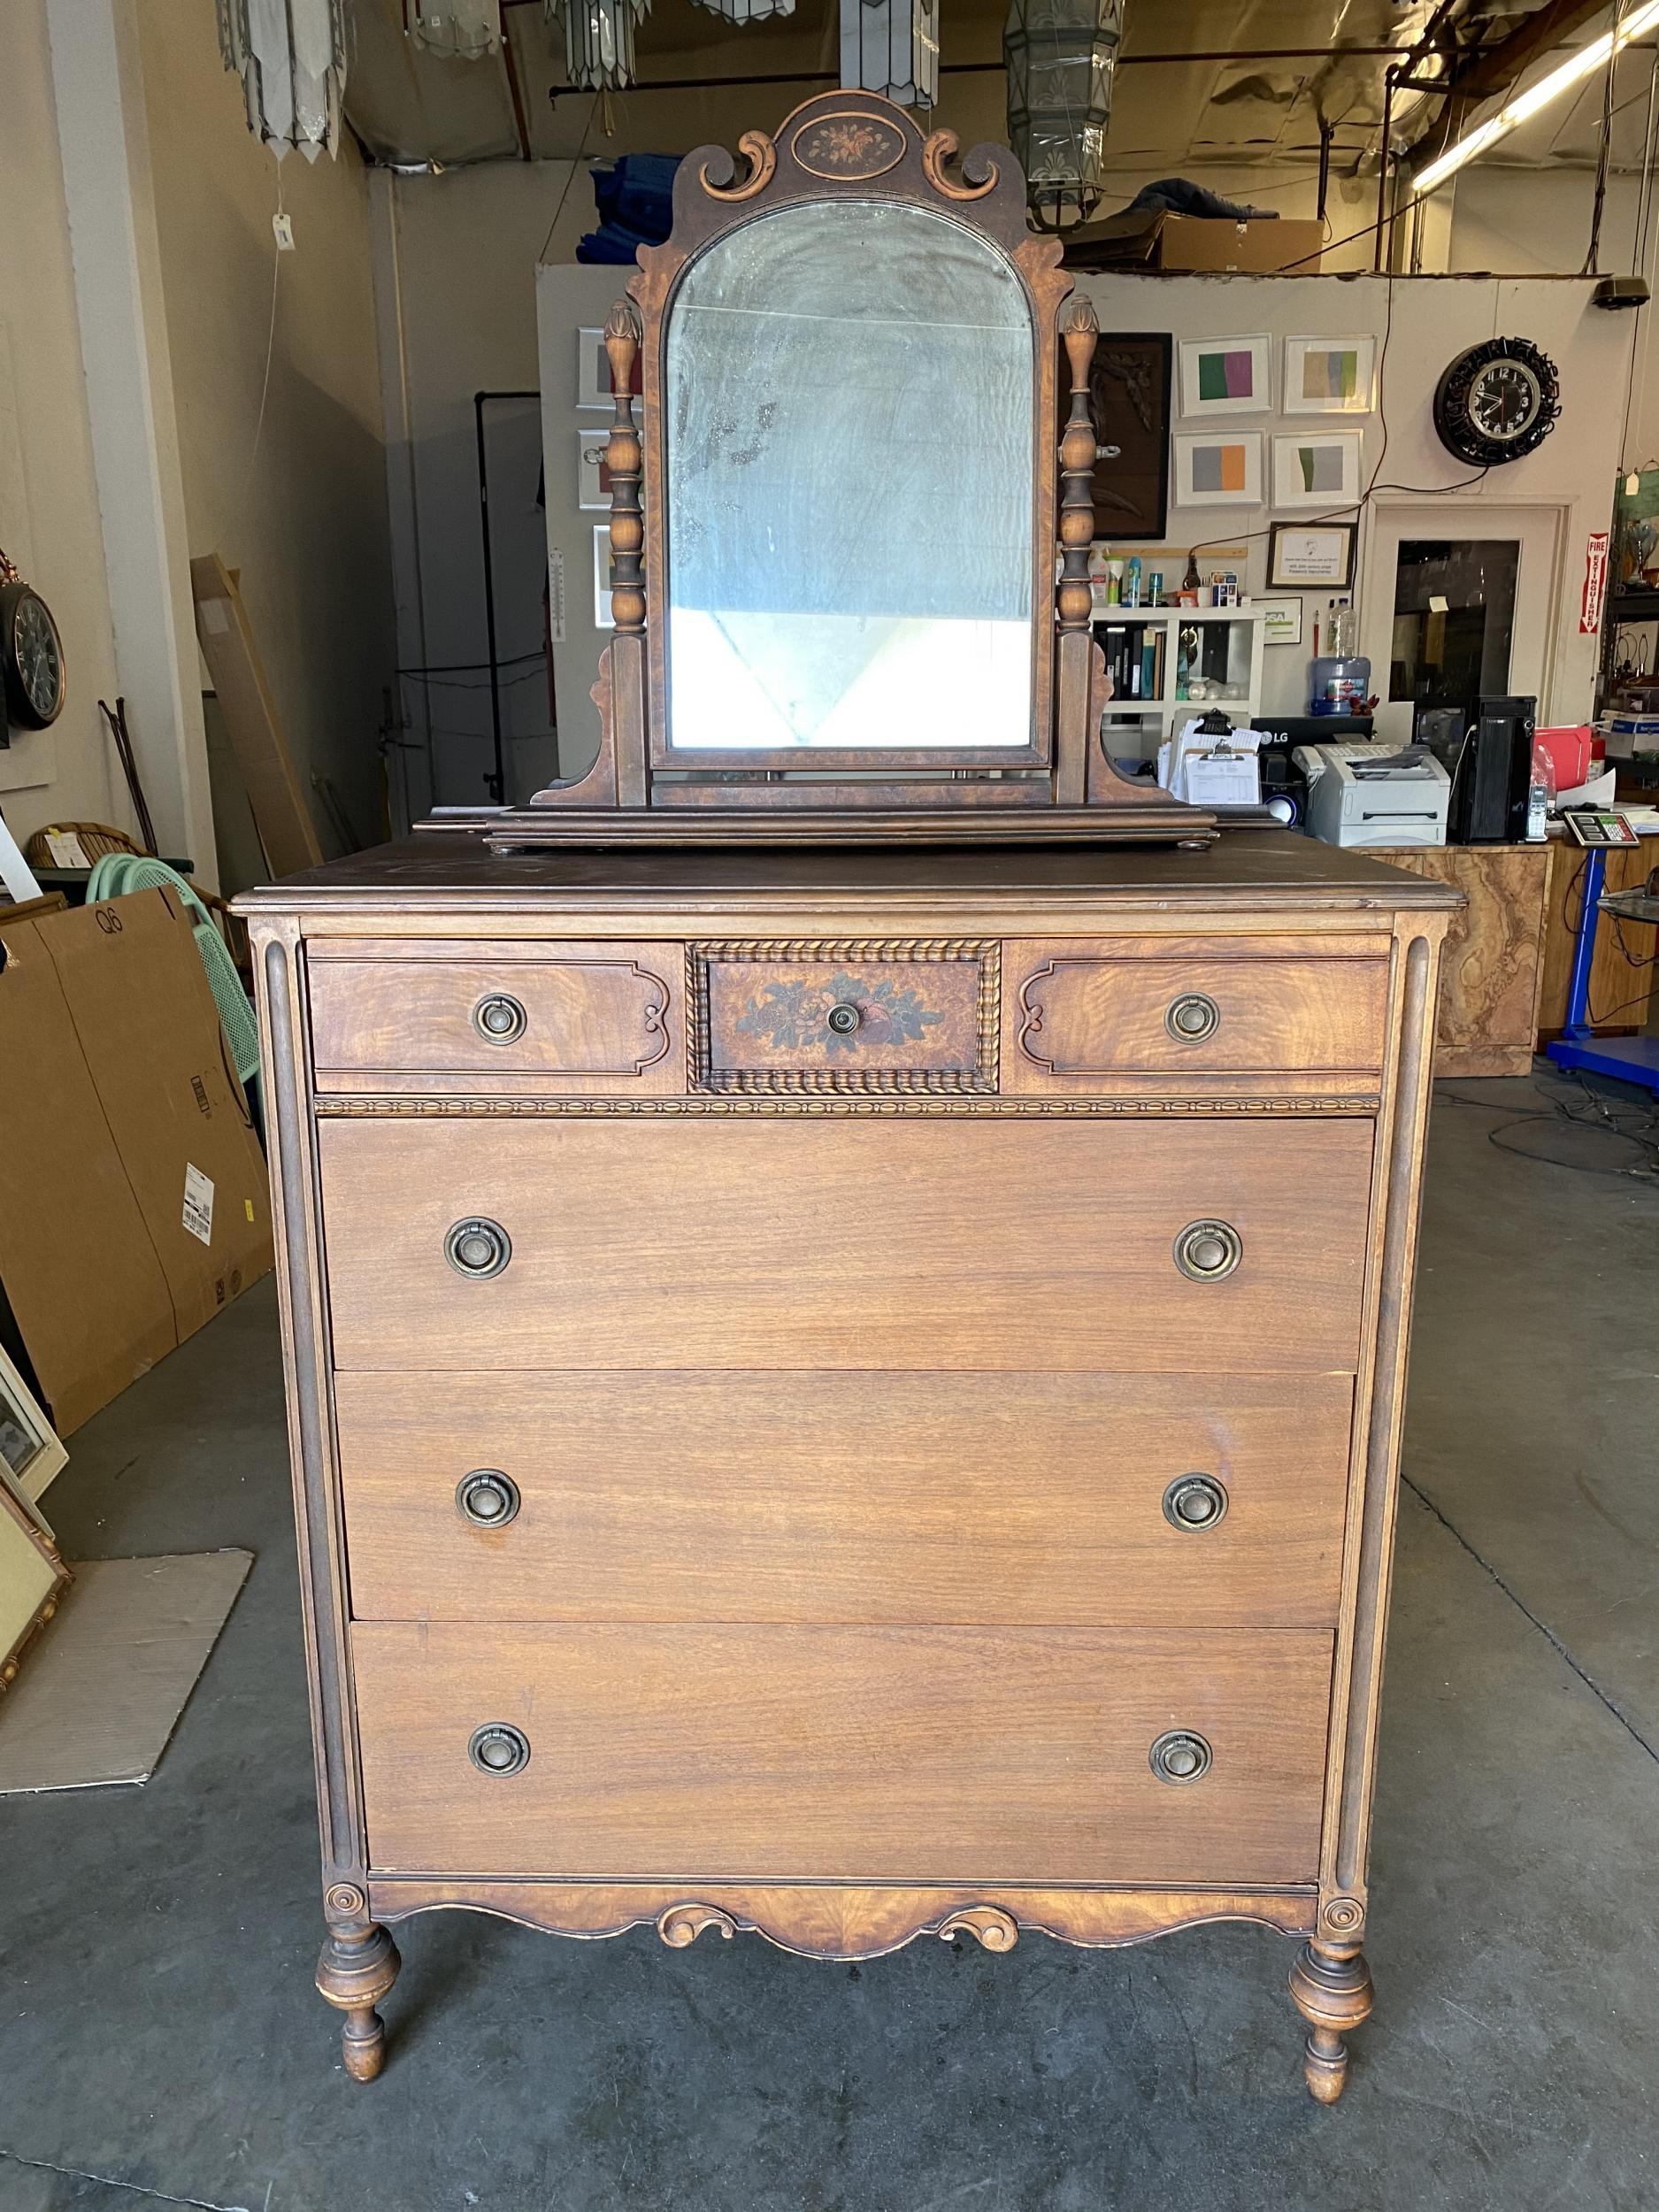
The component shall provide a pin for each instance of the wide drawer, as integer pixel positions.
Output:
(853, 1016)
(1091, 1501)
(1212, 1016)
(481, 1015)
(924, 1755)
(844, 1243)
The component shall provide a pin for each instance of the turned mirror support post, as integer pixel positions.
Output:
(1076, 727)
(627, 544)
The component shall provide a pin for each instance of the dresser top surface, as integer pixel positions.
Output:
(1244, 869)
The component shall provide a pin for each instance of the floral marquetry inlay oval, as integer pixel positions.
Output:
(854, 146)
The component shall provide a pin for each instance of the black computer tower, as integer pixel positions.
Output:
(1486, 749)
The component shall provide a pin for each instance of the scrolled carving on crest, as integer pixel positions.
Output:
(997, 1930)
(980, 171)
(681, 1924)
(716, 176)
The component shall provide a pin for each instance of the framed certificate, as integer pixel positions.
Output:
(1303, 557)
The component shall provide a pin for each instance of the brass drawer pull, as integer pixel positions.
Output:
(1195, 1501)
(1181, 1756)
(1207, 1250)
(1192, 1018)
(486, 1498)
(843, 1017)
(500, 1019)
(498, 1747)
(478, 1247)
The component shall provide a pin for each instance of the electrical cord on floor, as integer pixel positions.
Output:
(1628, 1122)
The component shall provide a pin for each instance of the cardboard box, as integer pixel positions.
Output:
(134, 1201)
(1152, 238)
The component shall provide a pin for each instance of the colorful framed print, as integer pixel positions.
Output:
(1330, 376)
(592, 371)
(1306, 557)
(1226, 376)
(30, 1451)
(1218, 468)
(593, 475)
(1317, 468)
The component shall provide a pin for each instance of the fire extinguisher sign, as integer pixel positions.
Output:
(1594, 583)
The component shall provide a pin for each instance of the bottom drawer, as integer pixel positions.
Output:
(868, 1755)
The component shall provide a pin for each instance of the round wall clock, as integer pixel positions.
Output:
(31, 652)
(1497, 402)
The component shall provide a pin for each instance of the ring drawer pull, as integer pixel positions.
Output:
(478, 1247)
(1181, 1756)
(1194, 1502)
(486, 1498)
(500, 1018)
(843, 1017)
(498, 1747)
(1207, 1250)
(1192, 1018)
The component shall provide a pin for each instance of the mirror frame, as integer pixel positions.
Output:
(861, 151)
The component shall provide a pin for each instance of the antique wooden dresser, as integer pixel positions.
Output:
(845, 1337)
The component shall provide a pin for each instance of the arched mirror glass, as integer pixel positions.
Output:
(848, 411)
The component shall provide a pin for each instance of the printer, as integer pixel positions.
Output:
(1371, 794)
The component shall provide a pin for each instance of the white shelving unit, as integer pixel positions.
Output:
(1224, 652)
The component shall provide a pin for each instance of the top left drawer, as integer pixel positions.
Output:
(481, 1015)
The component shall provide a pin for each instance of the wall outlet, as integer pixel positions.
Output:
(283, 225)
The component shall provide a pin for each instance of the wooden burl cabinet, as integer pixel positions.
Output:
(847, 1395)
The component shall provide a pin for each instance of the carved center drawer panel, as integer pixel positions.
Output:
(1205, 1017)
(941, 1755)
(1081, 1500)
(850, 1016)
(491, 1016)
(844, 1242)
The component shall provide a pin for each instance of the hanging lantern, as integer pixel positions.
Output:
(1061, 55)
(742, 11)
(458, 30)
(599, 41)
(291, 57)
(891, 47)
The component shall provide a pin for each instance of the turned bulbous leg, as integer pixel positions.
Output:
(357, 1967)
(1330, 1987)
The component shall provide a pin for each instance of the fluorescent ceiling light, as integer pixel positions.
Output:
(1583, 63)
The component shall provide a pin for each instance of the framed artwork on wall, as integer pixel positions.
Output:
(1281, 621)
(1218, 468)
(1129, 395)
(1317, 468)
(1303, 557)
(592, 371)
(1330, 376)
(592, 476)
(1226, 376)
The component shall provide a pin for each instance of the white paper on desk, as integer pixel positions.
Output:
(1222, 779)
(15, 873)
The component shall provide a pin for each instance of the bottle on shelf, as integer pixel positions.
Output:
(1338, 678)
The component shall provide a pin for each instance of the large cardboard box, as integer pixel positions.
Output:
(134, 1202)
(1152, 238)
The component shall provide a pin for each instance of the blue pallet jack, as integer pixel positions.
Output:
(1626, 1059)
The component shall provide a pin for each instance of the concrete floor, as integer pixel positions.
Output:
(160, 2041)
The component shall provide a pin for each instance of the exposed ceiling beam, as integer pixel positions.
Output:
(1491, 70)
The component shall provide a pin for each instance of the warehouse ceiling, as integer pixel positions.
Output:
(1246, 86)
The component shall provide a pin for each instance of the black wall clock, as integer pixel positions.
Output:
(31, 653)
(1497, 402)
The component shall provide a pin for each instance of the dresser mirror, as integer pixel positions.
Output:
(850, 521)
(850, 418)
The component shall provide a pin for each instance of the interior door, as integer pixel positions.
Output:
(1459, 602)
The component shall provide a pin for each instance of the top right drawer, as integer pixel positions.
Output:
(1203, 1018)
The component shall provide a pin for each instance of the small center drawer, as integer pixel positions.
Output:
(589, 1017)
(854, 1016)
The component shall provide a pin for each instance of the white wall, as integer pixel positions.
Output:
(284, 469)
(48, 499)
